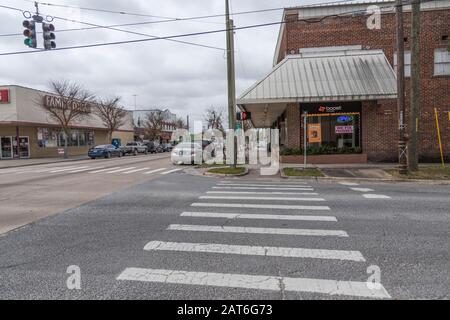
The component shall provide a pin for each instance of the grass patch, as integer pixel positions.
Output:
(300, 172)
(424, 173)
(237, 170)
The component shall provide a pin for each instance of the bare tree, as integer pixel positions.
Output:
(154, 124)
(214, 119)
(180, 123)
(68, 104)
(112, 115)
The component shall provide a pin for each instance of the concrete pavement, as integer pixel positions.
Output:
(153, 241)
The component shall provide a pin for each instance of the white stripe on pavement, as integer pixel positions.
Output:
(256, 282)
(256, 251)
(121, 170)
(86, 169)
(277, 231)
(376, 196)
(154, 171)
(261, 188)
(103, 170)
(266, 193)
(260, 198)
(135, 170)
(69, 169)
(261, 185)
(257, 216)
(263, 182)
(170, 171)
(362, 189)
(349, 184)
(259, 206)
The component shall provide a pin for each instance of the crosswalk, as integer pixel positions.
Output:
(257, 205)
(100, 170)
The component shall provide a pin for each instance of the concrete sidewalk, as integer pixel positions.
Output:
(31, 162)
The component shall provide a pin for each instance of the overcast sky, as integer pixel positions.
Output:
(163, 74)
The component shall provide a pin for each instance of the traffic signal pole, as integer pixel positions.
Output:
(231, 79)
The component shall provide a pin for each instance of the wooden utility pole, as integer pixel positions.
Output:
(413, 152)
(403, 161)
(231, 77)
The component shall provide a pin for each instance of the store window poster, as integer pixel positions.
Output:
(314, 133)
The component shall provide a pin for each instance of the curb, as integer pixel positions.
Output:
(41, 163)
(431, 182)
(226, 175)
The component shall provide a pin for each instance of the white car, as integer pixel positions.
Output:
(187, 153)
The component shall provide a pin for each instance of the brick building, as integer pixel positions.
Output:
(342, 73)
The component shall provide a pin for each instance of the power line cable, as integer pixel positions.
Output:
(309, 20)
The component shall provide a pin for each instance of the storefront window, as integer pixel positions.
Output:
(333, 128)
(53, 138)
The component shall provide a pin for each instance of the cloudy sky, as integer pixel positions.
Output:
(187, 79)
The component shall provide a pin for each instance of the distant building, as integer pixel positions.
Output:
(27, 131)
(140, 122)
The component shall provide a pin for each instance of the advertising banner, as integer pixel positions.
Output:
(344, 129)
(314, 133)
(4, 96)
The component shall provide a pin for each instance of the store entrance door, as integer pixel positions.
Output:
(24, 147)
(6, 149)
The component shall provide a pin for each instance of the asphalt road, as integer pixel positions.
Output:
(312, 240)
(30, 193)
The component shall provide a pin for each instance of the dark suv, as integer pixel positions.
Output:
(150, 146)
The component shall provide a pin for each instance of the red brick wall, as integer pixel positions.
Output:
(293, 125)
(379, 125)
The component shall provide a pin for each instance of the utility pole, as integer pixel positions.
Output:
(231, 78)
(413, 152)
(403, 160)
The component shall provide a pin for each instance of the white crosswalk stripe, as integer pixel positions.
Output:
(255, 250)
(259, 206)
(155, 171)
(170, 171)
(258, 216)
(264, 193)
(266, 182)
(68, 169)
(263, 282)
(263, 188)
(362, 189)
(276, 231)
(85, 169)
(260, 198)
(264, 185)
(376, 196)
(135, 170)
(120, 170)
(104, 170)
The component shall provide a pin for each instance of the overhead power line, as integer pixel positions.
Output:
(308, 20)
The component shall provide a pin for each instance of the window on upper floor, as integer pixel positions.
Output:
(441, 62)
(407, 63)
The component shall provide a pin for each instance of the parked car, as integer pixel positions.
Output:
(187, 153)
(159, 147)
(167, 147)
(104, 151)
(135, 148)
(151, 147)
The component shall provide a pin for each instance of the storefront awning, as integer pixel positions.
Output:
(354, 75)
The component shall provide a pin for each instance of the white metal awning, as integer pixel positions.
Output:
(354, 75)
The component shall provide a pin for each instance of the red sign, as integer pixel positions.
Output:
(4, 96)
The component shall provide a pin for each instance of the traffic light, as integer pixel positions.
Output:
(242, 116)
(49, 36)
(30, 33)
